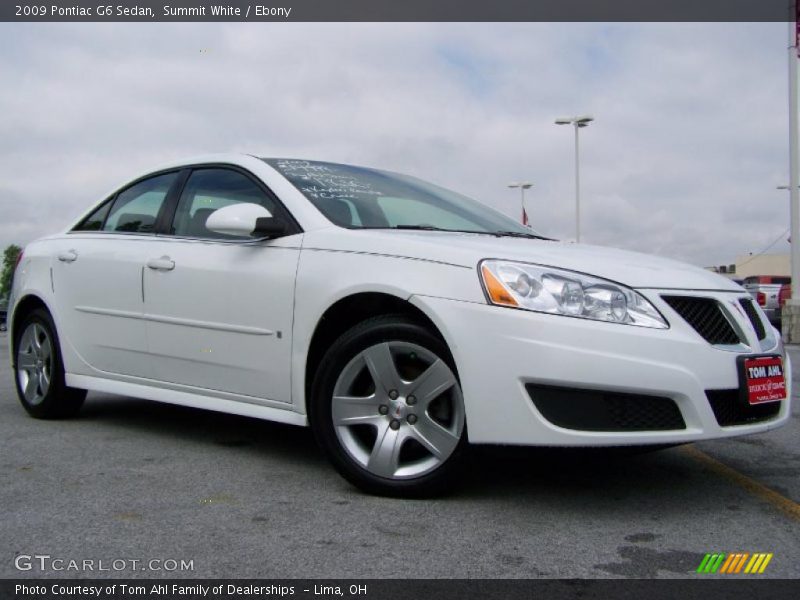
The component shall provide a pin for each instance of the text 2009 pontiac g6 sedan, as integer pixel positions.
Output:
(401, 321)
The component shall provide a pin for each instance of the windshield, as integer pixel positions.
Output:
(360, 198)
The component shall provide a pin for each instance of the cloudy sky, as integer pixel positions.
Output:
(689, 142)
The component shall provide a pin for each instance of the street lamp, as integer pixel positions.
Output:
(790, 321)
(522, 185)
(577, 123)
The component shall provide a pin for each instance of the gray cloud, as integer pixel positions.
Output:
(689, 142)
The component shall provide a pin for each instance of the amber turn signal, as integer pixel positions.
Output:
(498, 293)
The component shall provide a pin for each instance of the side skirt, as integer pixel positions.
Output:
(147, 392)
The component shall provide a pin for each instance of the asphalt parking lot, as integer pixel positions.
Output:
(136, 480)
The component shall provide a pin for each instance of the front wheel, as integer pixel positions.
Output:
(387, 408)
(40, 371)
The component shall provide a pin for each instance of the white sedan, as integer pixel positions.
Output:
(401, 321)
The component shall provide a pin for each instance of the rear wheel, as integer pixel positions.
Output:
(388, 410)
(40, 371)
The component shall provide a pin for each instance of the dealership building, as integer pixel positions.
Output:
(748, 265)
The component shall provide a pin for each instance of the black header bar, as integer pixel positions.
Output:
(734, 587)
(395, 10)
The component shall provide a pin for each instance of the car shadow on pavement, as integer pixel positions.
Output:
(204, 426)
(572, 469)
(491, 471)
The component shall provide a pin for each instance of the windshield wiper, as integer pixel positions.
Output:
(420, 228)
(520, 234)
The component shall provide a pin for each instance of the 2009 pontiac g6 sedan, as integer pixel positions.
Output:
(400, 320)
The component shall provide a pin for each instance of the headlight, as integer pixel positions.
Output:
(560, 292)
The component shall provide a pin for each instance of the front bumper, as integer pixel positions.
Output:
(499, 351)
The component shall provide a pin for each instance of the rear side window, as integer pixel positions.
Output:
(94, 222)
(207, 190)
(136, 208)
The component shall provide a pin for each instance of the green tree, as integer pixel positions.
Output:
(10, 256)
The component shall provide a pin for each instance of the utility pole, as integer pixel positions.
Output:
(791, 325)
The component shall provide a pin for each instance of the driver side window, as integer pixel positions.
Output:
(210, 189)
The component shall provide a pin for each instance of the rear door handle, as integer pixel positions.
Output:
(165, 263)
(68, 256)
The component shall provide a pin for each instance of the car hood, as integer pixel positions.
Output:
(464, 249)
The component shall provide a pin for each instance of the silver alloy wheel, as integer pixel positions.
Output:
(407, 396)
(35, 363)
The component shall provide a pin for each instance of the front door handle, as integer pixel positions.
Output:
(165, 263)
(68, 256)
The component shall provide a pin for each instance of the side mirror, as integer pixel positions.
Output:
(245, 219)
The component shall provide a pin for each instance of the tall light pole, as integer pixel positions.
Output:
(522, 185)
(790, 325)
(577, 123)
(786, 188)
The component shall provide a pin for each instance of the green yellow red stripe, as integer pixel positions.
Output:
(734, 563)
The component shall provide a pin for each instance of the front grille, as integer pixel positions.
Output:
(729, 408)
(755, 320)
(593, 410)
(706, 317)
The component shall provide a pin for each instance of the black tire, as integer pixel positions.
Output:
(59, 401)
(394, 329)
